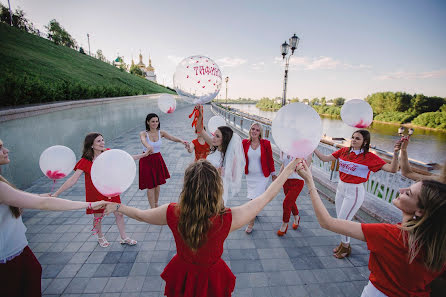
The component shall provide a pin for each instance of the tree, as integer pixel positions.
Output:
(315, 101)
(18, 19)
(100, 55)
(134, 69)
(323, 101)
(338, 101)
(81, 50)
(422, 104)
(59, 35)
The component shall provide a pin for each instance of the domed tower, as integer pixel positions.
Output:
(150, 74)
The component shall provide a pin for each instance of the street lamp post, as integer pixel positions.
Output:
(294, 41)
(10, 13)
(88, 37)
(226, 80)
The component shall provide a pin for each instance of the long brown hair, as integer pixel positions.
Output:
(87, 151)
(201, 199)
(16, 212)
(427, 234)
(365, 143)
(226, 136)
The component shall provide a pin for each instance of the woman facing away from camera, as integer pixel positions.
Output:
(355, 165)
(153, 171)
(20, 271)
(200, 224)
(404, 258)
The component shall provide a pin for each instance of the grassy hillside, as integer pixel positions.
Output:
(35, 70)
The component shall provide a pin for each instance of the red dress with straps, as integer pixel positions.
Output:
(201, 150)
(91, 193)
(202, 273)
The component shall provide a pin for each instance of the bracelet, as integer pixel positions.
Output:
(89, 206)
(118, 206)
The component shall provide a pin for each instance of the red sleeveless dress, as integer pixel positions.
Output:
(201, 150)
(203, 273)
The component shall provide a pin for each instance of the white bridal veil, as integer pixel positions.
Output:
(233, 167)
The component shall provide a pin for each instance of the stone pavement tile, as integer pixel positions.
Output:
(243, 254)
(105, 270)
(364, 270)
(77, 285)
(110, 294)
(115, 284)
(79, 258)
(257, 279)
(139, 269)
(58, 246)
(359, 259)
(307, 276)
(303, 251)
(332, 262)
(153, 283)
(144, 256)
(87, 270)
(88, 246)
(242, 280)
(96, 257)
(40, 247)
(45, 282)
(304, 263)
(134, 284)
(55, 258)
(330, 275)
(128, 257)
(349, 289)
(246, 266)
(156, 268)
(112, 257)
(243, 292)
(122, 269)
(96, 285)
(281, 291)
(354, 273)
(51, 271)
(272, 253)
(323, 290)
(267, 243)
(276, 264)
(298, 291)
(160, 256)
(240, 244)
(261, 292)
(57, 286)
(163, 245)
(69, 270)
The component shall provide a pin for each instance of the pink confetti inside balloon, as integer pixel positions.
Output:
(167, 103)
(197, 79)
(357, 113)
(297, 129)
(57, 161)
(113, 172)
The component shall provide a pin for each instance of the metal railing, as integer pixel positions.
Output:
(382, 185)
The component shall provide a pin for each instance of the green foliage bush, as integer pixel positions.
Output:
(334, 111)
(268, 104)
(395, 117)
(431, 119)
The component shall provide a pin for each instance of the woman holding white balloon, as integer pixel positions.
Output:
(226, 155)
(153, 171)
(259, 164)
(355, 165)
(94, 145)
(19, 268)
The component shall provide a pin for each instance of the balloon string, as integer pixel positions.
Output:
(96, 221)
(52, 187)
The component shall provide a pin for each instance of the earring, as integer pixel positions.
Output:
(415, 217)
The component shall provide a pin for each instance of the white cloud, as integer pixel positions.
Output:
(258, 66)
(320, 63)
(412, 75)
(175, 59)
(230, 62)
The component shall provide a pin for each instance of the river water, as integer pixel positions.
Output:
(426, 145)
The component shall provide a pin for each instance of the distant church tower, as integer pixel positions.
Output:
(149, 71)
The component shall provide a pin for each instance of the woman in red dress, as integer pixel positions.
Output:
(200, 224)
(94, 145)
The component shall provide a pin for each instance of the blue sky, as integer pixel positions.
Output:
(348, 49)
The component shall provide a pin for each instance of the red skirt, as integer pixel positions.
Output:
(152, 171)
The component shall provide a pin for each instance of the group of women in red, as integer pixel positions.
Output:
(404, 258)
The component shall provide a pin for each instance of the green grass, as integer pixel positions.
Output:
(35, 70)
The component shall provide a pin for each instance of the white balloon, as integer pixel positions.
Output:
(167, 103)
(197, 79)
(357, 113)
(297, 129)
(214, 123)
(113, 172)
(57, 161)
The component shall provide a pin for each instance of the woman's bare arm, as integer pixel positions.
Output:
(69, 182)
(322, 157)
(154, 216)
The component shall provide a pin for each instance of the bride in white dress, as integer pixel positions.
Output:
(226, 155)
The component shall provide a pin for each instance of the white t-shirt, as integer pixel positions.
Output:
(255, 165)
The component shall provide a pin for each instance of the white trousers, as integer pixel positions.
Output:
(349, 198)
(371, 291)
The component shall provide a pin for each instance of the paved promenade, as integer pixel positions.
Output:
(298, 264)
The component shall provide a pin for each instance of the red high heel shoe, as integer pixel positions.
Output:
(280, 233)
(296, 226)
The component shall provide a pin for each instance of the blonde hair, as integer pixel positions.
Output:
(427, 234)
(260, 128)
(201, 199)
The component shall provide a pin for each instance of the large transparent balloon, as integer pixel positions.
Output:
(113, 172)
(297, 129)
(357, 113)
(167, 103)
(197, 79)
(57, 161)
(214, 123)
